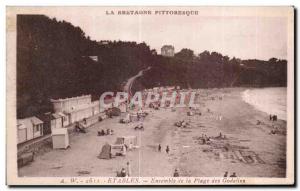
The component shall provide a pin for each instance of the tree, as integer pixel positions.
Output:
(185, 54)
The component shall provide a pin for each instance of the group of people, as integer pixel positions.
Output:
(141, 114)
(176, 173)
(167, 148)
(275, 130)
(221, 136)
(193, 111)
(205, 138)
(155, 106)
(80, 128)
(273, 117)
(140, 126)
(124, 172)
(107, 132)
(182, 123)
(232, 175)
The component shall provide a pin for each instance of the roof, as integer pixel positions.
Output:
(36, 121)
(71, 98)
(56, 116)
(21, 126)
(61, 114)
(28, 122)
(167, 46)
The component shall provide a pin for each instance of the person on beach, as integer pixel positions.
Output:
(176, 173)
(123, 173)
(205, 137)
(167, 149)
(128, 169)
(130, 146)
(258, 122)
(233, 175)
(273, 117)
(159, 148)
(226, 174)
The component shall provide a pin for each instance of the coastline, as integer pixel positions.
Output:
(248, 149)
(274, 104)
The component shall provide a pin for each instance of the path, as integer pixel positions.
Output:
(128, 85)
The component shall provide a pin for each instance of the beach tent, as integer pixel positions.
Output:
(60, 138)
(105, 152)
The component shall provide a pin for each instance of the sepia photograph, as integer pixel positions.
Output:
(157, 95)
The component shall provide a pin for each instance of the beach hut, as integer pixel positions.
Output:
(22, 133)
(56, 121)
(60, 138)
(29, 128)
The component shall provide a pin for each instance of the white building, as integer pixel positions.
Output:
(29, 128)
(73, 109)
(168, 51)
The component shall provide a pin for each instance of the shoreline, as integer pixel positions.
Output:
(248, 149)
(250, 99)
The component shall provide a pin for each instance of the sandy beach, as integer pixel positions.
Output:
(248, 148)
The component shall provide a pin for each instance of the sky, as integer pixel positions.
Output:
(245, 36)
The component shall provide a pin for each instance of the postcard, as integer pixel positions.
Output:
(158, 95)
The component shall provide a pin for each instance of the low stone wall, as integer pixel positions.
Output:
(38, 146)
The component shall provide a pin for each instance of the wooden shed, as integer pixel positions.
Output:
(29, 128)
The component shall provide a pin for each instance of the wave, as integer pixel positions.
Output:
(269, 100)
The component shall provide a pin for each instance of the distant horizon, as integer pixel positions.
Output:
(195, 53)
(235, 34)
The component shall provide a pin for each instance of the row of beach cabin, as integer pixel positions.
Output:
(66, 112)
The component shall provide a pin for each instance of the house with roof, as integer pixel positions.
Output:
(29, 128)
(168, 51)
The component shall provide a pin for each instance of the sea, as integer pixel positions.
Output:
(269, 100)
